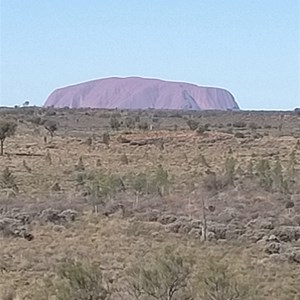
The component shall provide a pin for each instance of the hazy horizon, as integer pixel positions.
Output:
(251, 49)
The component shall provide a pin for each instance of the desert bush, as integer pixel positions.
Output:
(165, 277)
(211, 182)
(143, 125)
(228, 131)
(253, 126)
(7, 293)
(214, 183)
(139, 183)
(106, 138)
(48, 157)
(239, 124)
(192, 124)
(202, 160)
(229, 170)
(130, 123)
(78, 280)
(267, 126)
(201, 129)
(117, 114)
(250, 169)
(114, 123)
(36, 120)
(239, 135)
(277, 176)
(8, 180)
(80, 165)
(7, 129)
(50, 113)
(263, 171)
(124, 159)
(291, 168)
(215, 281)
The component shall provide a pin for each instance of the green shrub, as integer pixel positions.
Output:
(165, 277)
(215, 281)
(81, 281)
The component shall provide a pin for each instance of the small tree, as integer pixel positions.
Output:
(26, 103)
(139, 184)
(161, 181)
(51, 126)
(99, 186)
(7, 129)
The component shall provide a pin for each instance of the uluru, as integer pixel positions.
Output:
(141, 93)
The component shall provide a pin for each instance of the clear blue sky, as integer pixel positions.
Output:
(251, 48)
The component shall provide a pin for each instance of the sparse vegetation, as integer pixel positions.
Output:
(102, 206)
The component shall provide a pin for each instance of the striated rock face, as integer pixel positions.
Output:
(141, 93)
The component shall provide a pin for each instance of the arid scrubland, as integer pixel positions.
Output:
(107, 204)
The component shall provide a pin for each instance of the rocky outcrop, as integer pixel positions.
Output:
(141, 93)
